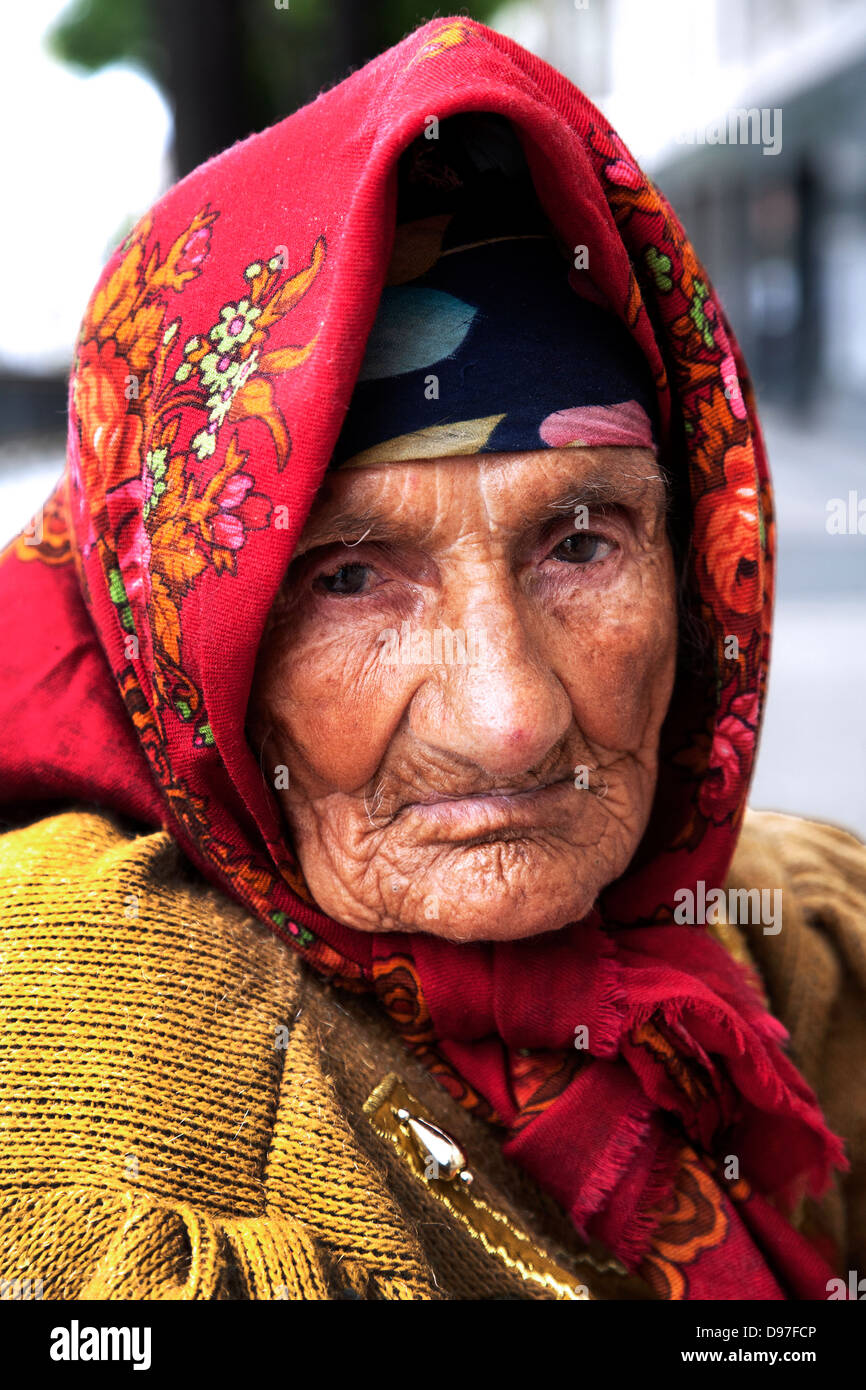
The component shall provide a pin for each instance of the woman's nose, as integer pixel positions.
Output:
(489, 695)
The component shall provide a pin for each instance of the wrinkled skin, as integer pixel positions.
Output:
(489, 798)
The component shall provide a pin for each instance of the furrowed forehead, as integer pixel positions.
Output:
(351, 506)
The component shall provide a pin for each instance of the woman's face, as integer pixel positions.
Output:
(460, 692)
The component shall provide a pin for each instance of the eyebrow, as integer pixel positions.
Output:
(601, 492)
(351, 525)
(597, 492)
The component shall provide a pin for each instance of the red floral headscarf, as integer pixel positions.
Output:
(214, 367)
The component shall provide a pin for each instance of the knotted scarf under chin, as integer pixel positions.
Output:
(598, 1051)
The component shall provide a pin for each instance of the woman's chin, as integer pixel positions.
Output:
(472, 908)
(462, 929)
(505, 888)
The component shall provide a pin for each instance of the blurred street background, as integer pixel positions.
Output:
(781, 228)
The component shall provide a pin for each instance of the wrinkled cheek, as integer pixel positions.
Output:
(620, 680)
(335, 708)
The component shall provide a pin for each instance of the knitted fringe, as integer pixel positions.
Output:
(86, 1243)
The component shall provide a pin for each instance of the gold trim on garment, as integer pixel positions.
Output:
(497, 1234)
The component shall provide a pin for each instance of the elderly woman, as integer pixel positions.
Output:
(381, 694)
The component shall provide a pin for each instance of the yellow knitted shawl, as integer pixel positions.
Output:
(188, 1113)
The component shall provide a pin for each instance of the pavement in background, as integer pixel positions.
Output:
(812, 760)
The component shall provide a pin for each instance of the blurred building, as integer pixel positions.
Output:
(783, 236)
(782, 231)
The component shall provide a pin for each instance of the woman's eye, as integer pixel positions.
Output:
(348, 579)
(583, 548)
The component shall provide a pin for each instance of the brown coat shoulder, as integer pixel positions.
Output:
(813, 969)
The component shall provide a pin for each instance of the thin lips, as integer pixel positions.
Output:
(488, 791)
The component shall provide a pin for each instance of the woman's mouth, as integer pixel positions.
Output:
(499, 811)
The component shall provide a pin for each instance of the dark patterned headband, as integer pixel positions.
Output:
(489, 343)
